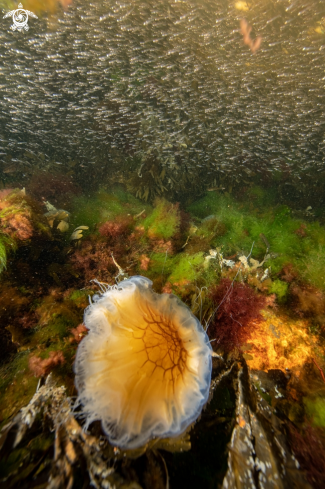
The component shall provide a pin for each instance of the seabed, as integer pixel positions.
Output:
(252, 274)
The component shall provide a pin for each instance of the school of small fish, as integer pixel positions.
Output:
(197, 83)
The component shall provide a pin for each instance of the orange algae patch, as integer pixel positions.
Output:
(279, 342)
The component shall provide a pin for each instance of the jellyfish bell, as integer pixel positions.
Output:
(144, 369)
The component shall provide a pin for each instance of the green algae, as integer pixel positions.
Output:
(81, 298)
(163, 222)
(160, 263)
(274, 232)
(55, 330)
(235, 236)
(209, 227)
(312, 267)
(180, 270)
(51, 334)
(17, 385)
(187, 269)
(89, 211)
(3, 252)
(55, 324)
(262, 197)
(316, 410)
(280, 289)
(95, 209)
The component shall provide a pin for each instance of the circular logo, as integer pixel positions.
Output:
(20, 19)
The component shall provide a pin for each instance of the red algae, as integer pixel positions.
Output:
(161, 246)
(40, 367)
(19, 227)
(116, 229)
(78, 333)
(288, 273)
(5, 192)
(238, 306)
(167, 289)
(308, 447)
(307, 301)
(144, 262)
(94, 261)
(301, 231)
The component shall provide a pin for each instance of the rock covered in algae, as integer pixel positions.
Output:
(259, 456)
(45, 442)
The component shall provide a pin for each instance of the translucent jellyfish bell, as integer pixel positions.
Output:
(144, 369)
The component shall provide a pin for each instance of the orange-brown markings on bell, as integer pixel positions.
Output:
(160, 342)
(163, 346)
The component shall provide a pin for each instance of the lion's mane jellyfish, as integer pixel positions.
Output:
(144, 369)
